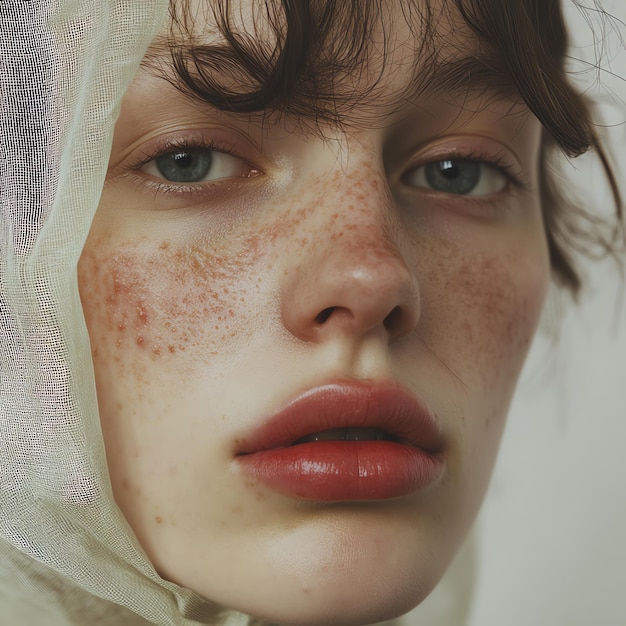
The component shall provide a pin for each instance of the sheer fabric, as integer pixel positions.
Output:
(67, 555)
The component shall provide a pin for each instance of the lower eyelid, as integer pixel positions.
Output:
(166, 195)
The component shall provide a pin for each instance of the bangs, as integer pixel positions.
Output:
(318, 60)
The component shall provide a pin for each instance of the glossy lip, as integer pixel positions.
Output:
(346, 470)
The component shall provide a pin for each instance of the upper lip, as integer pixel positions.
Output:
(385, 405)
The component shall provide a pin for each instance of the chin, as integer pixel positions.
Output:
(341, 572)
(347, 601)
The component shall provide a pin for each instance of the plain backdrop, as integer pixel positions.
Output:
(552, 534)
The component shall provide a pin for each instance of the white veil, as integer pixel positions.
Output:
(67, 555)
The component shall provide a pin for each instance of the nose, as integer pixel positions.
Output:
(351, 279)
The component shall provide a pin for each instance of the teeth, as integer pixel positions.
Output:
(347, 434)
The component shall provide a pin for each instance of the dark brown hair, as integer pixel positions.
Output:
(309, 46)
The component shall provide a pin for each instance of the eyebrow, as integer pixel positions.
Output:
(469, 75)
(473, 75)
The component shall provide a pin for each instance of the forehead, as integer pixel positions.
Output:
(325, 59)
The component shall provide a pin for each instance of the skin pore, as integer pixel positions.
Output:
(302, 258)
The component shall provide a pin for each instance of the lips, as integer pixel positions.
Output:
(351, 440)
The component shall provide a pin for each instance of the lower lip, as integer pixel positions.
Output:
(344, 470)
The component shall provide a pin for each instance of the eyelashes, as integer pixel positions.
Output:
(467, 174)
(190, 167)
(188, 162)
(459, 177)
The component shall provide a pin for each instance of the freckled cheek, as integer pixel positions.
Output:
(144, 307)
(484, 316)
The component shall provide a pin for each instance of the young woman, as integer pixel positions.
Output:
(320, 253)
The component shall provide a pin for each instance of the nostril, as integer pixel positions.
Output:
(323, 316)
(393, 319)
(336, 312)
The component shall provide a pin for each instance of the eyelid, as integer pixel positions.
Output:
(226, 141)
(167, 194)
(488, 151)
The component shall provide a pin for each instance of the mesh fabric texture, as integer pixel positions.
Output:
(67, 554)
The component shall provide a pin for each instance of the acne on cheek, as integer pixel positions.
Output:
(164, 301)
(496, 302)
(170, 298)
(481, 308)
(160, 300)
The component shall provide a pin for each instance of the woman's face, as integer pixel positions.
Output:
(247, 287)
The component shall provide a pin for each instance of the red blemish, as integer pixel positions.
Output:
(158, 519)
(142, 316)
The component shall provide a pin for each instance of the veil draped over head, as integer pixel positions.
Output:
(67, 555)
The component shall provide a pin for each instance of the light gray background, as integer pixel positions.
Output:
(552, 534)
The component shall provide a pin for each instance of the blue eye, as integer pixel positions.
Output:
(196, 165)
(462, 177)
(185, 166)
